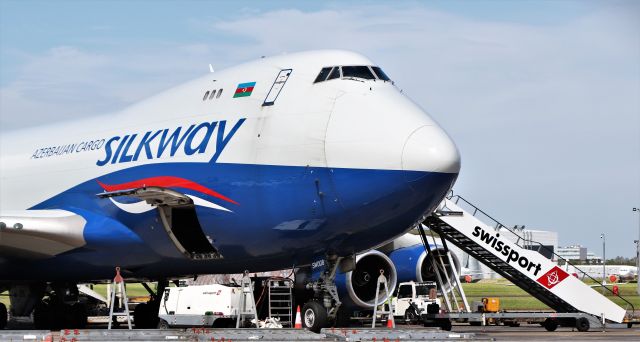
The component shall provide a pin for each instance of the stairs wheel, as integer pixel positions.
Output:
(550, 324)
(445, 324)
(582, 324)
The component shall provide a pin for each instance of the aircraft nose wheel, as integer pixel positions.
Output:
(54, 316)
(314, 316)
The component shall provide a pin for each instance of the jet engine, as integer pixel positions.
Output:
(358, 287)
(413, 263)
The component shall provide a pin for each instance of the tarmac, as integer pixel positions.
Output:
(465, 332)
(534, 332)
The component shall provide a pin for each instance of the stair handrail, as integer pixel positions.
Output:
(499, 225)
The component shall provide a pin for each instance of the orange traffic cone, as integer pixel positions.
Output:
(390, 323)
(298, 319)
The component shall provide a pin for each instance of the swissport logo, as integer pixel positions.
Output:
(165, 182)
(553, 277)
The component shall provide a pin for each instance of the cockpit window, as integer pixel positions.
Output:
(350, 72)
(322, 75)
(335, 73)
(357, 72)
(381, 75)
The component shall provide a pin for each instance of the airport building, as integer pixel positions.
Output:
(573, 252)
(532, 239)
(579, 253)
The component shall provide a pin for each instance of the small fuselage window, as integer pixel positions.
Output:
(360, 72)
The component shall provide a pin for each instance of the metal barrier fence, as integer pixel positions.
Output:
(232, 335)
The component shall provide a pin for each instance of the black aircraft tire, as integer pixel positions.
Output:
(550, 324)
(77, 316)
(43, 318)
(139, 316)
(582, 324)
(314, 316)
(144, 316)
(3, 316)
(445, 324)
(343, 318)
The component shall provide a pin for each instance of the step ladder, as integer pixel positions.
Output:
(382, 281)
(455, 294)
(517, 262)
(246, 302)
(281, 300)
(118, 287)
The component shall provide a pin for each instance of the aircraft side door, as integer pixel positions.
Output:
(277, 86)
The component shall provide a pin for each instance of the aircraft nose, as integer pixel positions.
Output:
(430, 149)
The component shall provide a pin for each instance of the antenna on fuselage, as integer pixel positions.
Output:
(210, 67)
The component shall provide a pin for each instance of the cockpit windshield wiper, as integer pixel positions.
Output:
(353, 79)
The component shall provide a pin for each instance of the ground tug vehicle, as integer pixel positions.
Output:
(414, 298)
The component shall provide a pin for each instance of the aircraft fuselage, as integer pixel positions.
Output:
(338, 166)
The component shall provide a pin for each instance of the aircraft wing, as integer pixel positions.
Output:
(37, 234)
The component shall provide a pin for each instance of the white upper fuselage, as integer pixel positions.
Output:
(339, 166)
(336, 123)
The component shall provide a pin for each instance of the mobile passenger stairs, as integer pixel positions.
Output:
(520, 261)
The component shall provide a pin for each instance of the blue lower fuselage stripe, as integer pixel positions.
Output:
(285, 216)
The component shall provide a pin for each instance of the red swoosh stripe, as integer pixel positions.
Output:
(167, 182)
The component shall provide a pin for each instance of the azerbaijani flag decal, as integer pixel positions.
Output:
(244, 89)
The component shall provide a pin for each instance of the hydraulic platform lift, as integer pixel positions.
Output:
(576, 304)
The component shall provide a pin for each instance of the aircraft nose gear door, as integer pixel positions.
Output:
(277, 86)
(178, 215)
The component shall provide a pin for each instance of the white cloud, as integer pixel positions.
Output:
(67, 82)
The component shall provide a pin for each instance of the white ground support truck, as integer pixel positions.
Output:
(203, 305)
(413, 299)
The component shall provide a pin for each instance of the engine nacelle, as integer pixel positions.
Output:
(358, 287)
(412, 264)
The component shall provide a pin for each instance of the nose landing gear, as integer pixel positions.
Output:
(60, 308)
(322, 310)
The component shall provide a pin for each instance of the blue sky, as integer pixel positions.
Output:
(542, 97)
